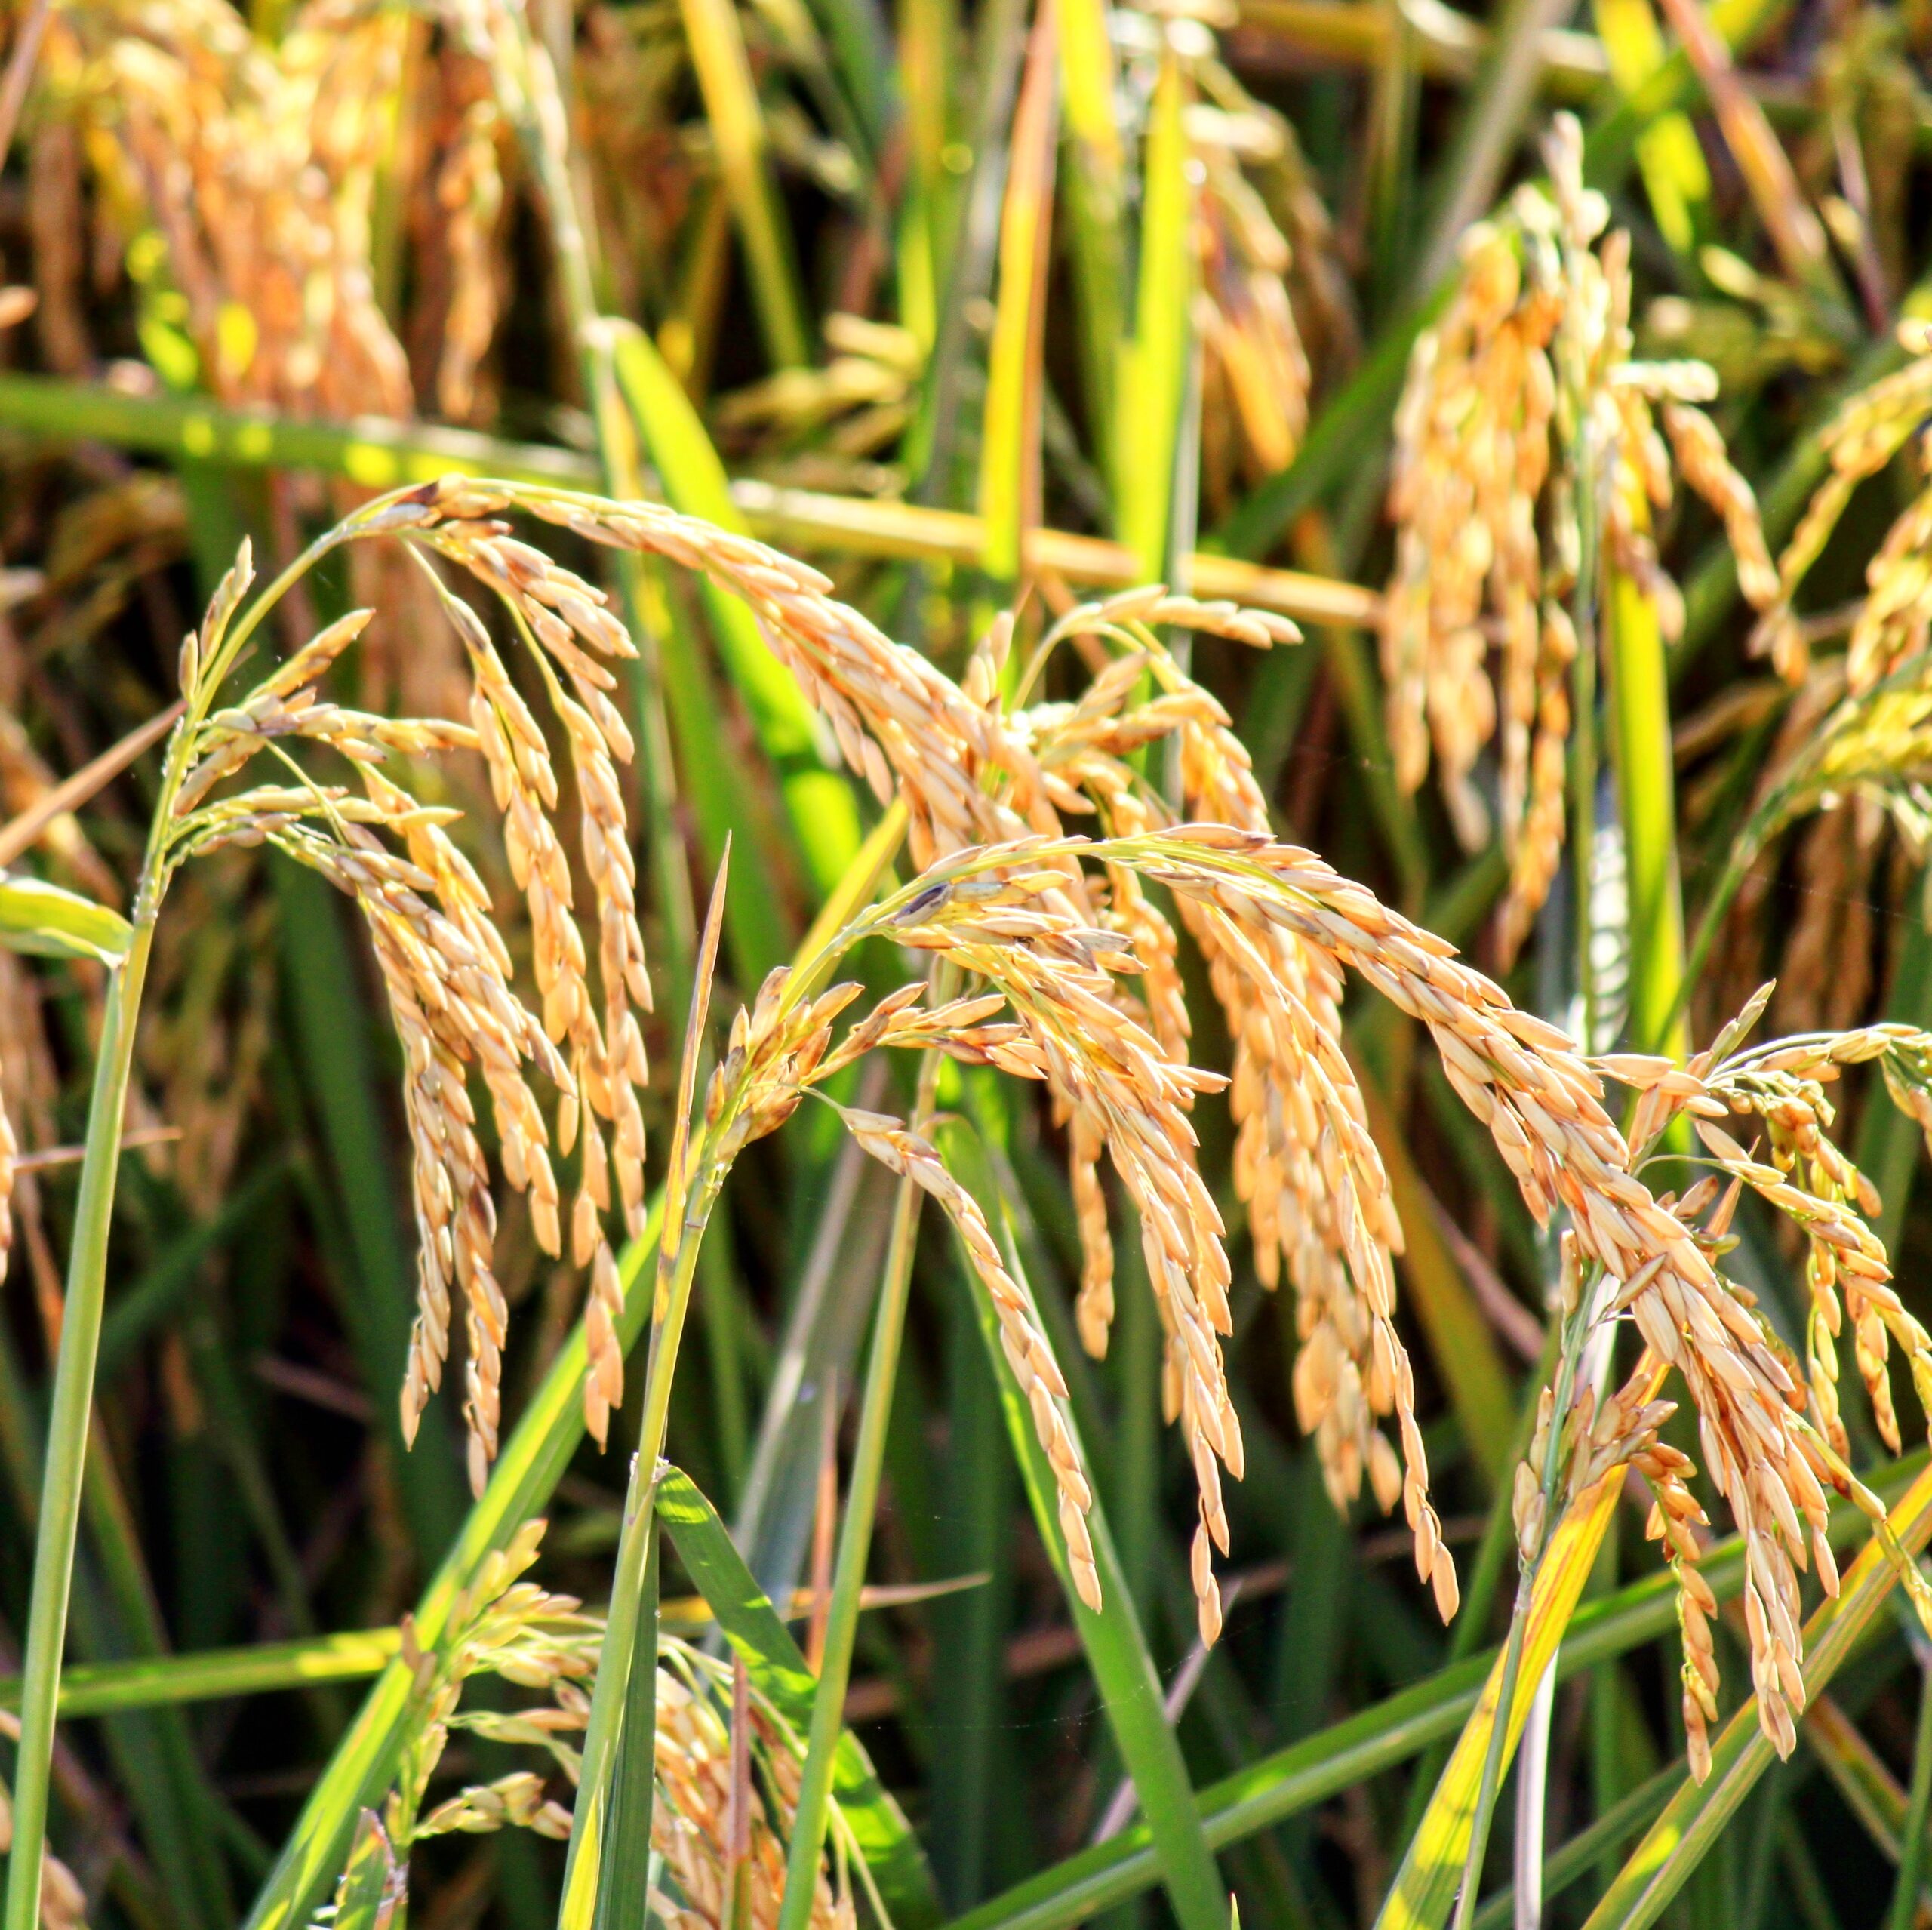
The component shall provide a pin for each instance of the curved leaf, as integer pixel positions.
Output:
(43, 919)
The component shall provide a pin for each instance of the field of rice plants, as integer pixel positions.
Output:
(965, 967)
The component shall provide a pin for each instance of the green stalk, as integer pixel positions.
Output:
(1615, 1826)
(605, 354)
(1095, 201)
(1640, 724)
(1493, 118)
(715, 39)
(1494, 1553)
(818, 802)
(973, 1785)
(375, 453)
(1153, 384)
(1454, 1831)
(848, 1576)
(160, 1682)
(1904, 1912)
(1611, 145)
(926, 32)
(1394, 91)
(1492, 1764)
(69, 1421)
(623, 1891)
(598, 1782)
(71, 1416)
(1419, 1891)
(1675, 174)
(1010, 482)
(111, 1609)
(589, 1895)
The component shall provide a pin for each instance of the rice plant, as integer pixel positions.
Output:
(1128, 808)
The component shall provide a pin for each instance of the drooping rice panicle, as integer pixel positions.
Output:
(1277, 929)
(1533, 363)
(257, 169)
(1772, 1467)
(1866, 433)
(445, 966)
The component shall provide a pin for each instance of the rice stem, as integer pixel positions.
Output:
(70, 1422)
(848, 1577)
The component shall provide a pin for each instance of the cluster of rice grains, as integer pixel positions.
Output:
(1773, 1441)
(973, 776)
(501, 1625)
(1052, 926)
(969, 775)
(1526, 448)
(1895, 618)
(1056, 927)
(728, 1775)
(256, 170)
(1053, 937)
(727, 1770)
(1267, 261)
(444, 964)
(1854, 743)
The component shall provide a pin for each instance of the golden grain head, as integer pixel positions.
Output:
(1773, 1442)
(446, 967)
(1485, 497)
